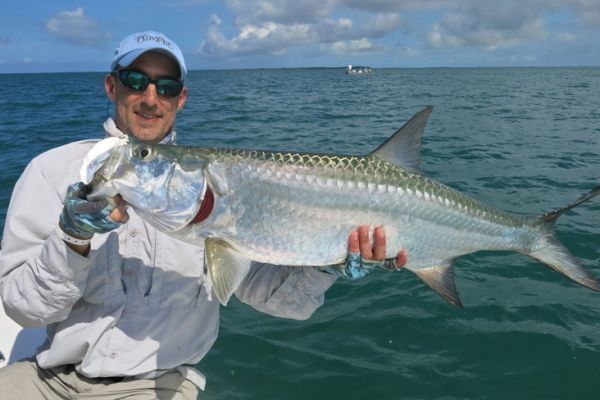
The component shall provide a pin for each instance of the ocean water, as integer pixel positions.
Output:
(521, 139)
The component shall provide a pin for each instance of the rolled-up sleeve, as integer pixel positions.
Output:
(283, 291)
(41, 278)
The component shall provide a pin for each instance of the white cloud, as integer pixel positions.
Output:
(276, 26)
(438, 38)
(508, 23)
(529, 58)
(567, 37)
(268, 37)
(188, 3)
(277, 37)
(75, 28)
(394, 5)
(380, 25)
(355, 47)
(589, 10)
(488, 26)
(215, 20)
(280, 11)
(592, 17)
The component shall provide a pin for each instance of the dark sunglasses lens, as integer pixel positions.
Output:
(134, 80)
(139, 81)
(168, 87)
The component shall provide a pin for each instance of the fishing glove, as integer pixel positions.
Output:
(81, 217)
(356, 267)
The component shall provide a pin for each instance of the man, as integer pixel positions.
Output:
(128, 308)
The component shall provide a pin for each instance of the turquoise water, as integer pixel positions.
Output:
(521, 139)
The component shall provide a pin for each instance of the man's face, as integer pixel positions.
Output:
(145, 114)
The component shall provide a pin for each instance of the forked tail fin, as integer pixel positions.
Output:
(555, 255)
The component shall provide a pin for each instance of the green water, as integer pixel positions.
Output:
(520, 139)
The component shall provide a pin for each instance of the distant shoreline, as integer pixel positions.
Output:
(311, 68)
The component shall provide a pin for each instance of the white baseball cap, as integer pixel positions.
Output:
(138, 43)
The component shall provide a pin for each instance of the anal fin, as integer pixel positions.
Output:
(227, 268)
(440, 278)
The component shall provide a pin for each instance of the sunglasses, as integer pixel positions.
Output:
(139, 81)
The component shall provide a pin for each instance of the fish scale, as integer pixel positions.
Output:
(418, 194)
(292, 208)
(326, 210)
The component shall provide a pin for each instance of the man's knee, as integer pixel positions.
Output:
(21, 380)
(20, 368)
(173, 385)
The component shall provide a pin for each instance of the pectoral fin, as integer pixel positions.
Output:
(440, 278)
(227, 268)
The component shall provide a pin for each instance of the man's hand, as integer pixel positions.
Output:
(81, 218)
(119, 213)
(365, 255)
(359, 242)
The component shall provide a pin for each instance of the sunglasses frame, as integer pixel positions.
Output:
(122, 77)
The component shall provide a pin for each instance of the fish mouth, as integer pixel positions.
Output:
(97, 156)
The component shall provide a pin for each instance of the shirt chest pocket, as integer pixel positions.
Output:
(103, 284)
(171, 289)
(178, 278)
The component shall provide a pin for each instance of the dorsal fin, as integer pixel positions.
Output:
(404, 147)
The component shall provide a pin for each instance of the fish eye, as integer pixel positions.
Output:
(144, 153)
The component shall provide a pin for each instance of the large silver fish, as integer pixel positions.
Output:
(292, 208)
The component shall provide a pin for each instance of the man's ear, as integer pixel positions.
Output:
(182, 98)
(110, 86)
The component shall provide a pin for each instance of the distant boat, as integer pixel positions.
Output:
(358, 69)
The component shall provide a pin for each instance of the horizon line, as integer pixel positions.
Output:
(314, 67)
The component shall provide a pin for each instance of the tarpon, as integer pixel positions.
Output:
(294, 208)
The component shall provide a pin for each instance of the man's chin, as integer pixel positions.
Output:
(148, 135)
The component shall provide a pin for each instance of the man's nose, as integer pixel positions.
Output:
(150, 95)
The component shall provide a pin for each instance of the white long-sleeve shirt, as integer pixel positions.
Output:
(140, 302)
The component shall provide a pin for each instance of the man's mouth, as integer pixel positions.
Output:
(147, 115)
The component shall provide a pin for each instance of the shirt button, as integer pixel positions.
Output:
(124, 312)
(129, 273)
(113, 354)
(133, 233)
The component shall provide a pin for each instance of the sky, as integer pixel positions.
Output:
(65, 36)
